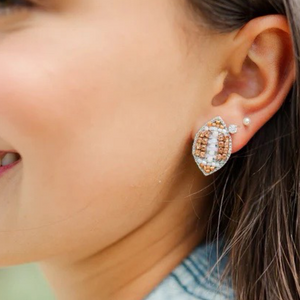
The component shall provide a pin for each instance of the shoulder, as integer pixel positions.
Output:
(197, 277)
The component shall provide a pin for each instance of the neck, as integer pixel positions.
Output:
(133, 266)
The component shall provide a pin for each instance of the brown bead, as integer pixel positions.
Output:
(221, 126)
(218, 121)
(199, 140)
(202, 165)
(204, 141)
(220, 150)
(224, 156)
(214, 124)
(202, 154)
(212, 168)
(220, 138)
(201, 134)
(198, 146)
(207, 134)
(219, 157)
(207, 170)
(203, 148)
(221, 144)
(209, 123)
(197, 152)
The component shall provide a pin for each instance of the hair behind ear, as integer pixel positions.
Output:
(257, 205)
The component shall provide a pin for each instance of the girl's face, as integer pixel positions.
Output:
(99, 98)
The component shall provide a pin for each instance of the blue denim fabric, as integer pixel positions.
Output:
(191, 280)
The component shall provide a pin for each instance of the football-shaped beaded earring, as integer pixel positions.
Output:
(212, 145)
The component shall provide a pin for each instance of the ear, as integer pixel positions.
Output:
(257, 74)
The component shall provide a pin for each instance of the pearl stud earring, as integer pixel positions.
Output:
(246, 121)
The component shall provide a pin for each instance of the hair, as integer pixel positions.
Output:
(256, 201)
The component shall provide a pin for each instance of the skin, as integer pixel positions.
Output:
(102, 100)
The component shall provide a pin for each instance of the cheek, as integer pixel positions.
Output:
(93, 126)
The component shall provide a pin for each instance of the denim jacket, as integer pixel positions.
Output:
(191, 280)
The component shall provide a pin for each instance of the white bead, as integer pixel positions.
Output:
(213, 164)
(215, 134)
(246, 121)
(210, 159)
(211, 145)
(211, 152)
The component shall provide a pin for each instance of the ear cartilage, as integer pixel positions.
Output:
(212, 145)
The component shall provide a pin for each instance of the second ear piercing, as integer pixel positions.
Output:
(246, 121)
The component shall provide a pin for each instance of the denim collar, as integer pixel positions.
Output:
(193, 279)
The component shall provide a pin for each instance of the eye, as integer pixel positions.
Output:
(10, 6)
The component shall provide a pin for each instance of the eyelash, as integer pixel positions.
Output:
(11, 6)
